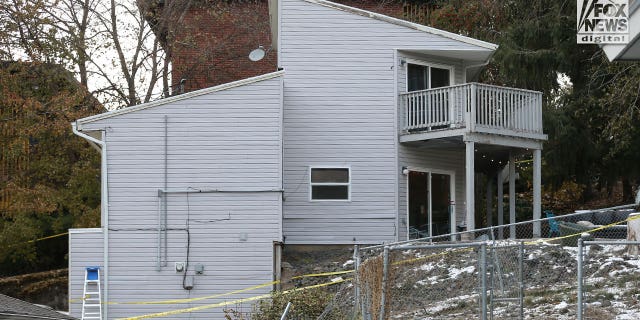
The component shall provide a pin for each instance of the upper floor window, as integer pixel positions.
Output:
(420, 77)
(330, 183)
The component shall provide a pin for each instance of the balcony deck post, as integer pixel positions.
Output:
(490, 202)
(471, 113)
(500, 204)
(470, 184)
(537, 199)
(512, 195)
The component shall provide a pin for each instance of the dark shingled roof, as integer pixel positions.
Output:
(12, 308)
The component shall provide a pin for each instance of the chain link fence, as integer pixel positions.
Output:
(505, 272)
(609, 280)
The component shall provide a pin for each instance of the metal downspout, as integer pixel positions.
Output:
(162, 205)
(104, 204)
(478, 65)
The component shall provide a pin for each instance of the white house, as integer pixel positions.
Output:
(371, 132)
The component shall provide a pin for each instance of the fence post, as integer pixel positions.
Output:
(356, 287)
(385, 273)
(285, 314)
(521, 278)
(483, 280)
(580, 276)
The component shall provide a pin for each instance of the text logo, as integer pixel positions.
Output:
(603, 21)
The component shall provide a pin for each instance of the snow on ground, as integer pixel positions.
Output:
(427, 267)
(445, 284)
(455, 272)
(624, 313)
(561, 305)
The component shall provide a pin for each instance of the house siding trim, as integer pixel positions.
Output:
(396, 130)
(85, 230)
(497, 139)
(281, 146)
(185, 96)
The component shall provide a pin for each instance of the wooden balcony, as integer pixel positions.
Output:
(470, 108)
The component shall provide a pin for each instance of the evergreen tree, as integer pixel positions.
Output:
(593, 139)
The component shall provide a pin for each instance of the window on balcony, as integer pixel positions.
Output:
(330, 183)
(420, 77)
(431, 109)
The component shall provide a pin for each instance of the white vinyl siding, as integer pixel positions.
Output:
(228, 140)
(85, 250)
(340, 108)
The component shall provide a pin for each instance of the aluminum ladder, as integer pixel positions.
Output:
(91, 298)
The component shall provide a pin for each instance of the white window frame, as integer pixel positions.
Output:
(311, 184)
(452, 190)
(451, 69)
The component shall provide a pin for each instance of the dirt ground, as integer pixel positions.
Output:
(46, 288)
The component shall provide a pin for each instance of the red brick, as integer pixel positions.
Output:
(212, 43)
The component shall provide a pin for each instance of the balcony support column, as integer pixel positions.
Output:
(512, 195)
(500, 201)
(490, 201)
(470, 184)
(537, 185)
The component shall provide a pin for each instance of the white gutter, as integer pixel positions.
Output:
(104, 208)
(479, 65)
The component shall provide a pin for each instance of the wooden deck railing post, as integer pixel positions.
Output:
(471, 114)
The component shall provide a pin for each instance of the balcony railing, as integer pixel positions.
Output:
(477, 107)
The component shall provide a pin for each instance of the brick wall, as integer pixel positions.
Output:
(213, 40)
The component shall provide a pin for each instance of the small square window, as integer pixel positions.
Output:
(330, 183)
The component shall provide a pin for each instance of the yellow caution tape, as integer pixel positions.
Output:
(226, 303)
(186, 300)
(586, 231)
(322, 274)
(49, 237)
(527, 242)
(39, 239)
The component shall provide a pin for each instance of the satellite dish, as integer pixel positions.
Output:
(257, 54)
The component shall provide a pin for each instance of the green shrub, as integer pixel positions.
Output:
(305, 304)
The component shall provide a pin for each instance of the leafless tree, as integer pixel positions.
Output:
(114, 46)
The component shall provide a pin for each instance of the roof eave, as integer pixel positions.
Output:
(403, 23)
